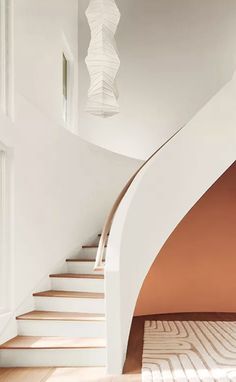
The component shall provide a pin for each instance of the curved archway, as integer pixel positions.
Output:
(193, 275)
(195, 269)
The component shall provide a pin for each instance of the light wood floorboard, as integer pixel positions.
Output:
(62, 375)
(25, 374)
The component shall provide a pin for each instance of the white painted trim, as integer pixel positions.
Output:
(6, 58)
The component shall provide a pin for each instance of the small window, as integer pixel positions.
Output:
(65, 75)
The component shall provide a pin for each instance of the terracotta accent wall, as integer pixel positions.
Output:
(196, 269)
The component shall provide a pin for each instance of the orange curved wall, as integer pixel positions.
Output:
(196, 269)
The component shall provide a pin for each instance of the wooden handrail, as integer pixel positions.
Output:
(108, 222)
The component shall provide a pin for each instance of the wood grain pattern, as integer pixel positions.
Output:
(61, 316)
(69, 294)
(77, 276)
(81, 260)
(68, 374)
(33, 342)
(23, 374)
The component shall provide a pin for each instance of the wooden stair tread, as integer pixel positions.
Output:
(77, 276)
(61, 316)
(33, 342)
(69, 294)
(91, 246)
(82, 260)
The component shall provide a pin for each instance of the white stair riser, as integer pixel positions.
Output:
(52, 357)
(89, 253)
(86, 267)
(60, 304)
(61, 328)
(77, 285)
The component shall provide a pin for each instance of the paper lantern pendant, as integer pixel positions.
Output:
(102, 60)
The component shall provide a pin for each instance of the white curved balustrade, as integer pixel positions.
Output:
(160, 196)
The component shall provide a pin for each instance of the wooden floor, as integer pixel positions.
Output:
(62, 375)
(133, 364)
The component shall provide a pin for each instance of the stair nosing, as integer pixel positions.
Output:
(91, 246)
(93, 318)
(77, 276)
(82, 295)
(60, 347)
(83, 260)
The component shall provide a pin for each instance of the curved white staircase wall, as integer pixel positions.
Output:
(163, 192)
(62, 192)
(62, 186)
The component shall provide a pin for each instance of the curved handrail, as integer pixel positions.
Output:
(108, 222)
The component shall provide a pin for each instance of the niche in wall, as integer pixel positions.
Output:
(69, 84)
(195, 269)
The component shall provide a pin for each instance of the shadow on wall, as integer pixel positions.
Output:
(195, 269)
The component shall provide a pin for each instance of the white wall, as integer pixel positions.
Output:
(162, 194)
(42, 29)
(62, 186)
(175, 55)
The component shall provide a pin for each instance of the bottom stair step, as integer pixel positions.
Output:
(66, 324)
(35, 342)
(33, 351)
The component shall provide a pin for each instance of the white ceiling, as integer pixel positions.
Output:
(175, 55)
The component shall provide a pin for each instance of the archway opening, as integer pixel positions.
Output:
(193, 276)
(195, 269)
